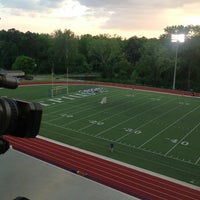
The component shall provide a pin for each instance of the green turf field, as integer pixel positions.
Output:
(155, 131)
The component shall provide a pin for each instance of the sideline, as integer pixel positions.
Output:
(125, 86)
(124, 164)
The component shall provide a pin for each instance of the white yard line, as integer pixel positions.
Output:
(168, 127)
(54, 108)
(74, 113)
(182, 139)
(197, 161)
(111, 116)
(157, 106)
(69, 109)
(96, 113)
(157, 117)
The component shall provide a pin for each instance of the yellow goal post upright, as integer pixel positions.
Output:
(57, 90)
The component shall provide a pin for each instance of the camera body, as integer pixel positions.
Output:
(18, 118)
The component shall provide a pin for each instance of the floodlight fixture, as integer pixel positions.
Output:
(178, 38)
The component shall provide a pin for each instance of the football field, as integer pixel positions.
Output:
(155, 131)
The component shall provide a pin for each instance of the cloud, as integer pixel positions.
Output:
(140, 3)
(17, 4)
(31, 5)
(138, 14)
(125, 17)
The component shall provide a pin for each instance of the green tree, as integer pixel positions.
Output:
(43, 55)
(83, 47)
(105, 52)
(154, 63)
(122, 70)
(64, 51)
(134, 49)
(8, 47)
(25, 64)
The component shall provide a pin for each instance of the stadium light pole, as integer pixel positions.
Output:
(176, 38)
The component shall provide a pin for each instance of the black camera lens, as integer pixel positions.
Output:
(19, 118)
(8, 115)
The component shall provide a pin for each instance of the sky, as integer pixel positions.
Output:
(125, 18)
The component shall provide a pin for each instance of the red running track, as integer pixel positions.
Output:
(122, 178)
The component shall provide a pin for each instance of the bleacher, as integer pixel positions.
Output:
(14, 73)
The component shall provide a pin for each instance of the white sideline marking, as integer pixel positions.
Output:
(124, 164)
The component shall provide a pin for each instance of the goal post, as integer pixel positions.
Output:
(57, 90)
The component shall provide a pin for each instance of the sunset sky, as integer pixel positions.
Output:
(125, 18)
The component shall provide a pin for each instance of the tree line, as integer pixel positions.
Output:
(136, 60)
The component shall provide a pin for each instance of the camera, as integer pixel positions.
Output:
(18, 118)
